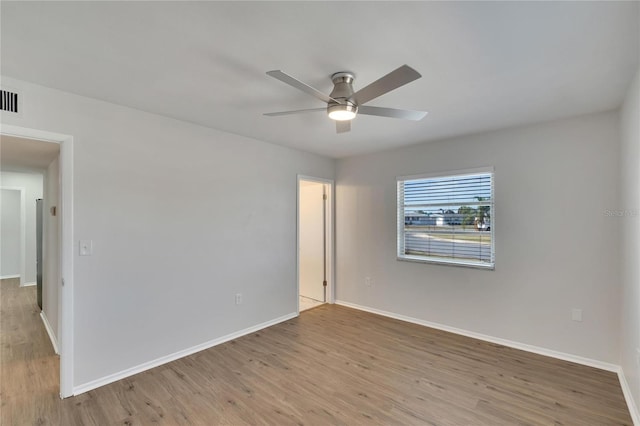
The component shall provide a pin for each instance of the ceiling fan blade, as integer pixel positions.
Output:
(343, 126)
(405, 114)
(401, 76)
(298, 111)
(291, 81)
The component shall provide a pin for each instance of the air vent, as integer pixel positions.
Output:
(8, 101)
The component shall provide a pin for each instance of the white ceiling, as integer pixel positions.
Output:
(20, 154)
(485, 65)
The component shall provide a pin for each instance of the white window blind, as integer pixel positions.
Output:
(447, 218)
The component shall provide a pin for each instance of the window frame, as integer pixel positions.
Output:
(400, 216)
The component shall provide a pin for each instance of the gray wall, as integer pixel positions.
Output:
(182, 218)
(51, 248)
(556, 249)
(630, 237)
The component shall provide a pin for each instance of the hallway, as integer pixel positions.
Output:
(29, 370)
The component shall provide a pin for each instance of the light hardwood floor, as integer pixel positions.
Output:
(332, 365)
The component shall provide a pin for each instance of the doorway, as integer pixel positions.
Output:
(315, 242)
(18, 149)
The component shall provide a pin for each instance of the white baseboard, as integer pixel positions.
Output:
(52, 335)
(29, 284)
(504, 342)
(177, 355)
(7, 277)
(628, 397)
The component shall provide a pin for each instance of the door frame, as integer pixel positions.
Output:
(66, 246)
(330, 236)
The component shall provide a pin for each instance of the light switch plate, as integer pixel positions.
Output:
(576, 315)
(86, 247)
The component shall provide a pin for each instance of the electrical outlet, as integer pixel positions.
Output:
(367, 281)
(576, 314)
(239, 299)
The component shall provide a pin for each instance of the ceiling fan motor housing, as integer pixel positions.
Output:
(342, 91)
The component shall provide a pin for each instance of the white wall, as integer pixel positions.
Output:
(630, 236)
(182, 218)
(10, 233)
(32, 184)
(51, 248)
(555, 247)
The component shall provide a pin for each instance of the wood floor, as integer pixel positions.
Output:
(331, 366)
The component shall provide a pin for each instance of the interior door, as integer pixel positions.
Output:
(39, 207)
(312, 241)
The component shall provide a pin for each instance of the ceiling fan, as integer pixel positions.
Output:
(343, 103)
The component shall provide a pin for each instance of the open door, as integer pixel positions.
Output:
(314, 242)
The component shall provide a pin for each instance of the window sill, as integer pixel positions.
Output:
(422, 259)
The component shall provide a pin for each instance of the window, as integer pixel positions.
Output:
(447, 219)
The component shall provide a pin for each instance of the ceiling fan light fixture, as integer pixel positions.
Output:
(342, 112)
